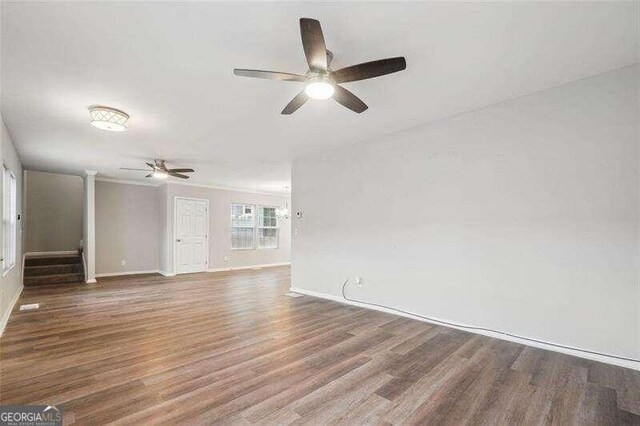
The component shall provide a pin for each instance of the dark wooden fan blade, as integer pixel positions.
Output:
(138, 170)
(370, 69)
(149, 175)
(269, 75)
(295, 103)
(181, 170)
(153, 166)
(349, 100)
(313, 43)
(178, 175)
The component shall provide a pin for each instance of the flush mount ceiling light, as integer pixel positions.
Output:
(106, 118)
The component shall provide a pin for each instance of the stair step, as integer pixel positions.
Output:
(34, 271)
(54, 279)
(53, 260)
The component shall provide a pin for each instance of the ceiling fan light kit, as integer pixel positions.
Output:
(107, 118)
(159, 170)
(320, 81)
(320, 87)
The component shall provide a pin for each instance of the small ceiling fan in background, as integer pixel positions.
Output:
(321, 81)
(159, 170)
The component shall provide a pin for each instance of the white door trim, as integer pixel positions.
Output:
(175, 231)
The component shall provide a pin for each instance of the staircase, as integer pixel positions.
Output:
(53, 269)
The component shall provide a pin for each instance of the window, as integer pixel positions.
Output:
(249, 225)
(267, 227)
(242, 227)
(9, 218)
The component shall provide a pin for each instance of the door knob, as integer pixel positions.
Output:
(178, 240)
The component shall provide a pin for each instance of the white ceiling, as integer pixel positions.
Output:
(170, 67)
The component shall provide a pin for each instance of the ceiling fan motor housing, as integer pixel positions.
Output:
(329, 58)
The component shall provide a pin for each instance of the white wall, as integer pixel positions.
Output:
(11, 284)
(220, 227)
(53, 211)
(128, 228)
(521, 217)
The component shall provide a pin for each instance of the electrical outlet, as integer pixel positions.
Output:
(359, 282)
(123, 262)
(226, 259)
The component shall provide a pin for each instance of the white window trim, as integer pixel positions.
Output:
(253, 227)
(277, 228)
(6, 270)
(256, 242)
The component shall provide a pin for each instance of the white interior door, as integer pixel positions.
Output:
(192, 239)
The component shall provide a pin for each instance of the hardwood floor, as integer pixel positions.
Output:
(232, 348)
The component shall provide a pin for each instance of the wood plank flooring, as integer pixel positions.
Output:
(231, 348)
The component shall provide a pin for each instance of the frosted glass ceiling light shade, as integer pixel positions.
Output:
(320, 87)
(106, 118)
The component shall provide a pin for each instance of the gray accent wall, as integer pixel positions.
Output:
(220, 201)
(134, 224)
(522, 217)
(128, 228)
(54, 211)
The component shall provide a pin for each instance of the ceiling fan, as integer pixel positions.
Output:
(321, 81)
(159, 170)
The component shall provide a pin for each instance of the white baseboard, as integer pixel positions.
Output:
(50, 253)
(231, 268)
(117, 274)
(237, 268)
(93, 281)
(523, 341)
(12, 304)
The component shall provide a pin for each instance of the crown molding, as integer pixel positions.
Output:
(194, 185)
(226, 188)
(129, 182)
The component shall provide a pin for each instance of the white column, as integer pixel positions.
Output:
(89, 231)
